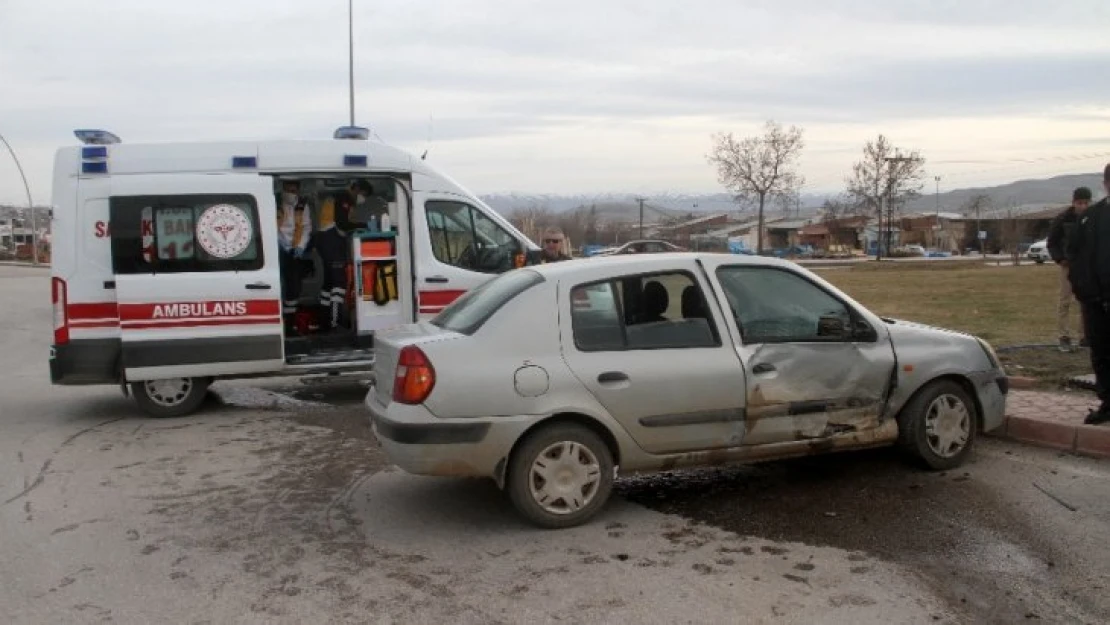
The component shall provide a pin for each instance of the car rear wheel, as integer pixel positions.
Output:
(560, 476)
(172, 397)
(939, 425)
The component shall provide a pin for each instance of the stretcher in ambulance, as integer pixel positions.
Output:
(169, 271)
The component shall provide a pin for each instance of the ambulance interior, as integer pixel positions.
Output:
(369, 280)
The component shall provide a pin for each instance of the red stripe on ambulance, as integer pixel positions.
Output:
(173, 314)
(435, 301)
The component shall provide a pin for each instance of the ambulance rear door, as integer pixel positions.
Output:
(195, 259)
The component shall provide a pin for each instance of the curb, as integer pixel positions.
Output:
(16, 263)
(1084, 440)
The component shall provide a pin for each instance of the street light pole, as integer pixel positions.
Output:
(30, 204)
(351, 56)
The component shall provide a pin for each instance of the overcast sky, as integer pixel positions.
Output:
(572, 96)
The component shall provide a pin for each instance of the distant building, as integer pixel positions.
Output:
(681, 233)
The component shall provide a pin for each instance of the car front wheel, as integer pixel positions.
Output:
(560, 476)
(172, 397)
(939, 425)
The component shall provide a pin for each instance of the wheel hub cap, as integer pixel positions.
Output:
(947, 426)
(170, 392)
(564, 477)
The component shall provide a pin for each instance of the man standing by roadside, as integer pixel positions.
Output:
(1063, 229)
(1088, 255)
(553, 246)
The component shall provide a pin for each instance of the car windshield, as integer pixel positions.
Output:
(470, 311)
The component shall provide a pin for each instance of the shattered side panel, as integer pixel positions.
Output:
(875, 437)
(806, 391)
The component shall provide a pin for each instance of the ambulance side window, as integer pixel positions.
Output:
(185, 233)
(466, 238)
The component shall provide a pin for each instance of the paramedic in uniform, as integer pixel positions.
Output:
(294, 230)
(333, 244)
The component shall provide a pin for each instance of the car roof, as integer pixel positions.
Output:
(640, 263)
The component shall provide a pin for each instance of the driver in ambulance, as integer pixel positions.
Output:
(294, 222)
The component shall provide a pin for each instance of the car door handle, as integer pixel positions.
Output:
(259, 286)
(763, 367)
(436, 280)
(612, 376)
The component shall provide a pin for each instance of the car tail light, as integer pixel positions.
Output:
(61, 321)
(415, 376)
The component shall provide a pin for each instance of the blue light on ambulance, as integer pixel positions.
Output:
(96, 137)
(352, 132)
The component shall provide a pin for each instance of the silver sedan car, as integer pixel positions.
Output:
(549, 379)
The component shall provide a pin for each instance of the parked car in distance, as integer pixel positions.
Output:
(911, 250)
(1038, 252)
(655, 363)
(647, 246)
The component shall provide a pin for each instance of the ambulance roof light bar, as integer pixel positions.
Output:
(352, 132)
(96, 137)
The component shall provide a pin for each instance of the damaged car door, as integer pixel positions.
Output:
(815, 366)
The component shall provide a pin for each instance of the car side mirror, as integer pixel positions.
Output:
(530, 257)
(863, 332)
(832, 327)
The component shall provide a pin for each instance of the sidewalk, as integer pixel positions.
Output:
(1055, 420)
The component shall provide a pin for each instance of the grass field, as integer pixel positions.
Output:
(1005, 305)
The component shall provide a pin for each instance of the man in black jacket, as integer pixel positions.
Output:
(1088, 255)
(1062, 229)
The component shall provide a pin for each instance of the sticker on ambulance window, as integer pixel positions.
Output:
(224, 231)
(175, 233)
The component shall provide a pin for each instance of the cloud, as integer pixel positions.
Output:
(575, 95)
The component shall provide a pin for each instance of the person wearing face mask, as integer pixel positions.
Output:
(333, 242)
(294, 222)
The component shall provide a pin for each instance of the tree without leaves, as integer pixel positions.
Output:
(875, 177)
(838, 207)
(758, 168)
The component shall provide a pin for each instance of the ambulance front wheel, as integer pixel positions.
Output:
(174, 397)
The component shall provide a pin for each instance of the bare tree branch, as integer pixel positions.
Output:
(758, 168)
(885, 172)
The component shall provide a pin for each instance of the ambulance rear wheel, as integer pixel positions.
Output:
(173, 397)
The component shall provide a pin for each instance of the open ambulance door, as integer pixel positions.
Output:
(196, 267)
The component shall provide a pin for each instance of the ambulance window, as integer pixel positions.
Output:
(185, 233)
(465, 237)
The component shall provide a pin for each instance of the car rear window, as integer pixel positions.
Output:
(466, 314)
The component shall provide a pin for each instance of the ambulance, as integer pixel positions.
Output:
(167, 270)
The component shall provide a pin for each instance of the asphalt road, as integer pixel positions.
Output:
(274, 506)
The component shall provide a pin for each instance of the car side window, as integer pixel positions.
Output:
(779, 306)
(655, 311)
(185, 234)
(464, 237)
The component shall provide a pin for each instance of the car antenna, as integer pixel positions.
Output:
(424, 156)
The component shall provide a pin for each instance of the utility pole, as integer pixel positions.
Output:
(351, 56)
(979, 233)
(641, 201)
(937, 224)
(30, 205)
(891, 160)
